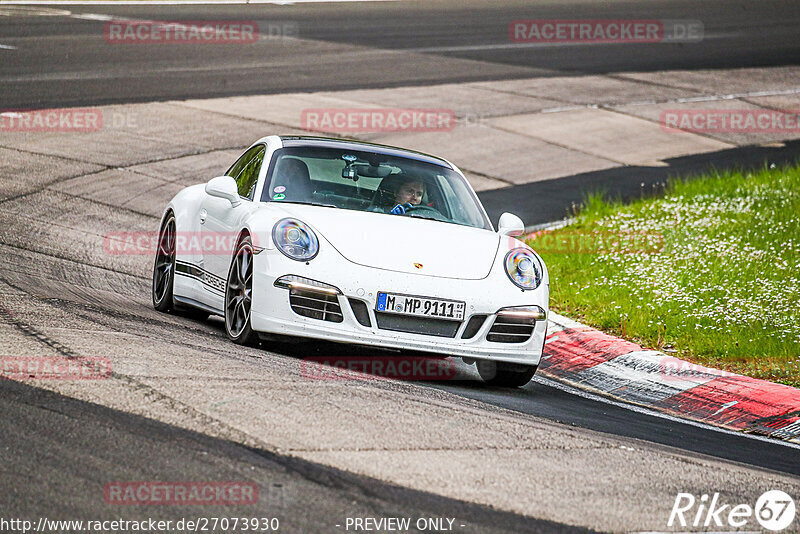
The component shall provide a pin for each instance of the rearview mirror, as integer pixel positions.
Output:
(510, 225)
(224, 187)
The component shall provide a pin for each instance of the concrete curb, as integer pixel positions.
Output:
(588, 359)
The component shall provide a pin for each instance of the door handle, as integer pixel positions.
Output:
(203, 215)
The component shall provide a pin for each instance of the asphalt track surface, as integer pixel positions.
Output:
(550, 200)
(78, 446)
(66, 61)
(61, 61)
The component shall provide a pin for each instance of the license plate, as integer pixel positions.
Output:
(420, 306)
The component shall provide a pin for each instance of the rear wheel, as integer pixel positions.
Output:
(506, 375)
(164, 267)
(239, 295)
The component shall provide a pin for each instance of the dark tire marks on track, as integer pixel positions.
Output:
(80, 447)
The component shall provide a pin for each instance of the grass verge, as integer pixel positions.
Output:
(708, 272)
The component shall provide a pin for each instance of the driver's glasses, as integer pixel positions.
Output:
(410, 194)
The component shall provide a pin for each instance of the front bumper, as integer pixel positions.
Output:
(271, 311)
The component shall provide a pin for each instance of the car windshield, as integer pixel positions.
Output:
(371, 181)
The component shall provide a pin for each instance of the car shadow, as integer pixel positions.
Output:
(327, 359)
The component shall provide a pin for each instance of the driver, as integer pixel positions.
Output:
(408, 193)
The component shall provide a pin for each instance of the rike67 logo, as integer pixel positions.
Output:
(774, 510)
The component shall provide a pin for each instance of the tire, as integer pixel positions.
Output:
(238, 295)
(505, 375)
(164, 266)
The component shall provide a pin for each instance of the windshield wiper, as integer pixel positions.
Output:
(427, 218)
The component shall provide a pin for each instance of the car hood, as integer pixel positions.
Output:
(402, 243)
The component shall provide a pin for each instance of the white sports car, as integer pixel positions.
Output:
(357, 243)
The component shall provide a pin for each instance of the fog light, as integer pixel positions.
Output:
(292, 281)
(523, 312)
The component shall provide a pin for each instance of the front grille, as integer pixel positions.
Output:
(360, 311)
(417, 325)
(511, 329)
(315, 305)
(473, 325)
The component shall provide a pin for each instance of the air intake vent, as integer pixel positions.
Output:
(417, 325)
(508, 329)
(315, 305)
(360, 311)
(474, 324)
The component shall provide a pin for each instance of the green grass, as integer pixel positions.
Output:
(709, 271)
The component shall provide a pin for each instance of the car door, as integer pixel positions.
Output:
(220, 222)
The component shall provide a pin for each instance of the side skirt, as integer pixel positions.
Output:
(197, 304)
(211, 283)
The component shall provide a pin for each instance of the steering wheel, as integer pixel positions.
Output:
(425, 211)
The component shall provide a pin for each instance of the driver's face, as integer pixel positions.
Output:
(410, 193)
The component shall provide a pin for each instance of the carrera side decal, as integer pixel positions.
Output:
(210, 281)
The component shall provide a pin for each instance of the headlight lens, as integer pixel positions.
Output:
(524, 268)
(295, 239)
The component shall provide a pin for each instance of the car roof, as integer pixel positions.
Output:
(342, 144)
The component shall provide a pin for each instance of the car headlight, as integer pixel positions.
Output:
(523, 268)
(296, 240)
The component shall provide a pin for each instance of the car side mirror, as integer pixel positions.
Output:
(510, 225)
(224, 187)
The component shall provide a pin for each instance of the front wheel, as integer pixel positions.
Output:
(505, 375)
(239, 295)
(164, 267)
